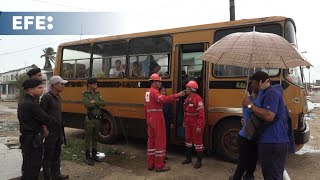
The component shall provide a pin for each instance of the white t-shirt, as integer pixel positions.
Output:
(116, 73)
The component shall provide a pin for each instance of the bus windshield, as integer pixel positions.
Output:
(293, 75)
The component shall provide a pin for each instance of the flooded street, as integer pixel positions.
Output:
(303, 164)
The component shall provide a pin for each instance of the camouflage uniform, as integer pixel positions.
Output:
(92, 121)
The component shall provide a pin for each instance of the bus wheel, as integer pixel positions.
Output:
(108, 130)
(226, 139)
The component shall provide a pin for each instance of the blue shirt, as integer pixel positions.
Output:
(276, 132)
(246, 112)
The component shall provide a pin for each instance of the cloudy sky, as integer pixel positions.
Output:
(145, 15)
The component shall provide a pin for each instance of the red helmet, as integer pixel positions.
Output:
(192, 84)
(155, 77)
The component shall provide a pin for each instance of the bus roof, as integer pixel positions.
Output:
(176, 30)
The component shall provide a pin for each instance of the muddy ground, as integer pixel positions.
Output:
(129, 161)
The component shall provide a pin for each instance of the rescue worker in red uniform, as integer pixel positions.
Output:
(194, 120)
(156, 123)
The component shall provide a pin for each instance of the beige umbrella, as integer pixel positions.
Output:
(254, 50)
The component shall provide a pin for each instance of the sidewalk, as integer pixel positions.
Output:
(11, 159)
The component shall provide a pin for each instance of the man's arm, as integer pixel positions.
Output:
(100, 102)
(263, 114)
(163, 98)
(44, 103)
(86, 101)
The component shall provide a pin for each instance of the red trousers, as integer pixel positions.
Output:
(156, 141)
(192, 137)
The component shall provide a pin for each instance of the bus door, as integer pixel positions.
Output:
(189, 68)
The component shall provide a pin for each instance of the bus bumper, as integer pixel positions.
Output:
(302, 137)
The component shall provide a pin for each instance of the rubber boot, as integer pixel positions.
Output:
(88, 159)
(94, 156)
(166, 168)
(199, 160)
(188, 156)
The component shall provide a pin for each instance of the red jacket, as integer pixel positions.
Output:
(154, 102)
(194, 111)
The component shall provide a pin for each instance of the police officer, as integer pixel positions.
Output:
(193, 123)
(93, 103)
(51, 104)
(31, 119)
(34, 73)
(156, 124)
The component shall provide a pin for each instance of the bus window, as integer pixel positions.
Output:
(236, 71)
(149, 64)
(109, 67)
(191, 65)
(152, 53)
(109, 59)
(76, 61)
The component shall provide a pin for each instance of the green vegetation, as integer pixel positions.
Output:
(74, 150)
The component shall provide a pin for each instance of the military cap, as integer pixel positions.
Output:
(92, 80)
(33, 71)
(31, 83)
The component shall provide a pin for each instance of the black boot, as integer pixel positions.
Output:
(199, 160)
(56, 173)
(46, 170)
(88, 159)
(188, 156)
(94, 156)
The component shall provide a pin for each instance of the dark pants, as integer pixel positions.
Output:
(32, 151)
(52, 151)
(248, 156)
(273, 158)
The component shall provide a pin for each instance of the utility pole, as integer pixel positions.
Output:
(232, 10)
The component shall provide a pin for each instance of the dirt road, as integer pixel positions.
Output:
(131, 162)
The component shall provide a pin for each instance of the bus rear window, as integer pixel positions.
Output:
(76, 61)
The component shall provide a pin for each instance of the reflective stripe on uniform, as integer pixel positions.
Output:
(199, 108)
(188, 144)
(191, 114)
(198, 146)
(159, 98)
(154, 110)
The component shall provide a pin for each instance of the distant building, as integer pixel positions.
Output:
(318, 82)
(8, 89)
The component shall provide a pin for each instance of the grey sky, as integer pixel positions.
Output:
(145, 15)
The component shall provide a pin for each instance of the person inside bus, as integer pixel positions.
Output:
(154, 67)
(117, 71)
(136, 70)
(168, 115)
(274, 140)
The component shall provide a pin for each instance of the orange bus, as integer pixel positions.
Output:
(174, 54)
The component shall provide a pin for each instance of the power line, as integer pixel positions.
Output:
(63, 5)
(26, 49)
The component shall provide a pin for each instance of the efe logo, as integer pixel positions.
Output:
(24, 22)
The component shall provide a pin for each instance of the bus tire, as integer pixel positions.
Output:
(108, 130)
(226, 139)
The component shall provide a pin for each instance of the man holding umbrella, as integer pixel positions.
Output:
(273, 142)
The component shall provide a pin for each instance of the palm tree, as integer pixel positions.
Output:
(49, 56)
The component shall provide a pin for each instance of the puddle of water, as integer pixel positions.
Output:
(316, 105)
(308, 149)
(9, 125)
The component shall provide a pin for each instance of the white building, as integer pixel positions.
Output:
(8, 89)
